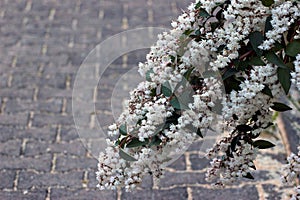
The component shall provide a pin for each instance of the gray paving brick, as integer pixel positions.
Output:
(41, 163)
(243, 193)
(11, 147)
(24, 195)
(179, 193)
(34, 148)
(7, 178)
(82, 194)
(176, 178)
(198, 162)
(41, 120)
(68, 163)
(43, 180)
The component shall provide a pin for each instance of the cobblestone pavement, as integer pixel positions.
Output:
(42, 44)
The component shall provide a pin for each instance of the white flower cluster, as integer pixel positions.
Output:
(227, 169)
(296, 74)
(250, 99)
(283, 16)
(154, 113)
(291, 171)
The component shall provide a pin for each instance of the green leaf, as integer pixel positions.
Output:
(199, 133)
(256, 39)
(230, 72)
(126, 156)
(135, 142)
(277, 47)
(249, 176)
(267, 91)
(273, 58)
(293, 48)
(155, 141)
(148, 77)
(267, 3)
(268, 25)
(214, 26)
(188, 73)
(159, 128)
(188, 32)
(175, 103)
(284, 78)
(203, 13)
(123, 129)
(244, 128)
(198, 5)
(263, 144)
(256, 61)
(181, 102)
(280, 107)
(166, 89)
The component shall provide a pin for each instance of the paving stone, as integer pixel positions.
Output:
(41, 163)
(199, 162)
(28, 180)
(179, 164)
(68, 134)
(41, 120)
(179, 193)
(14, 119)
(176, 178)
(7, 178)
(34, 148)
(48, 106)
(68, 163)
(272, 192)
(82, 194)
(242, 193)
(11, 147)
(24, 195)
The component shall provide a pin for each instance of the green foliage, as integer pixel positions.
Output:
(263, 144)
(293, 48)
(126, 156)
(280, 107)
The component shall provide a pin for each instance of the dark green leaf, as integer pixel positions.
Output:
(284, 78)
(135, 142)
(214, 26)
(267, 3)
(198, 5)
(175, 103)
(267, 91)
(280, 107)
(155, 141)
(249, 176)
(126, 156)
(188, 73)
(123, 129)
(277, 46)
(273, 58)
(263, 144)
(234, 143)
(256, 39)
(293, 48)
(148, 77)
(244, 128)
(203, 13)
(268, 25)
(188, 32)
(199, 133)
(166, 89)
(256, 61)
(230, 72)
(159, 128)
